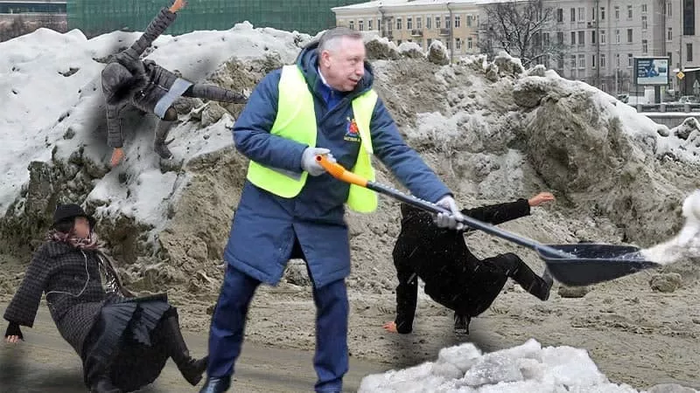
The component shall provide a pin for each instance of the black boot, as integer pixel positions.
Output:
(104, 385)
(462, 324)
(216, 385)
(161, 145)
(190, 368)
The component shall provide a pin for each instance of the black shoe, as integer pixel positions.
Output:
(161, 148)
(549, 282)
(192, 370)
(104, 385)
(216, 385)
(462, 324)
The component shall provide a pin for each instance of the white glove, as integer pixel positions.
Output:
(450, 221)
(309, 163)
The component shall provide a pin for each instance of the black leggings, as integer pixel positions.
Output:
(514, 267)
(207, 92)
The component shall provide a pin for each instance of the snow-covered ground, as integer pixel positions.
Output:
(49, 83)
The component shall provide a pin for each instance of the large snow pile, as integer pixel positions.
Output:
(492, 130)
(528, 368)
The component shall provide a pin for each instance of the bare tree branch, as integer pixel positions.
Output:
(523, 29)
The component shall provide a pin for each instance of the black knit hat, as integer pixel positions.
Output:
(69, 212)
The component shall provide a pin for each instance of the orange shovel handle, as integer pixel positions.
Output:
(336, 170)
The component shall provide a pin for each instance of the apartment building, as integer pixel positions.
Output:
(453, 22)
(600, 38)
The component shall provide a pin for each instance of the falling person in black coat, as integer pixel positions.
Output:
(453, 276)
(123, 340)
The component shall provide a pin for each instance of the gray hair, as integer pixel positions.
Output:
(332, 36)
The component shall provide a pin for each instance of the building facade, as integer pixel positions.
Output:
(20, 17)
(601, 38)
(454, 23)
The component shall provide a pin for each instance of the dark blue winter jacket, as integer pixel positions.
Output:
(265, 225)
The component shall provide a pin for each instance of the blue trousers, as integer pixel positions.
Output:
(228, 324)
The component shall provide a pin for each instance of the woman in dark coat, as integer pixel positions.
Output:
(453, 276)
(123, 341)
(128, 80)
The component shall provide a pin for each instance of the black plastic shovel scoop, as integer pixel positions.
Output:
(571, 264)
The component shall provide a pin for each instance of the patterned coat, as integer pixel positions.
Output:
(144, 85)
(70, 277)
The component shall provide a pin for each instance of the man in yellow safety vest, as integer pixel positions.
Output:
(322, 105)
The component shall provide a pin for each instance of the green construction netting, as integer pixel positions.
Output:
(101, 16)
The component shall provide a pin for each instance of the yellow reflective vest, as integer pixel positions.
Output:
(296, 120)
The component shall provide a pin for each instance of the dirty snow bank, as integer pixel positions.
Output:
(528, 368)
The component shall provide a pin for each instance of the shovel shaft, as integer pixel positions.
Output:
(340, 173)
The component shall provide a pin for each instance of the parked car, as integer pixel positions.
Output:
(688, 100)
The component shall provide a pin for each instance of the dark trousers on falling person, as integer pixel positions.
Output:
(228, 324)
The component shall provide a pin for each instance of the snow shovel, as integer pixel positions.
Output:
(571, 264)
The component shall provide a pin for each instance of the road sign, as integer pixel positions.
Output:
(680, 75)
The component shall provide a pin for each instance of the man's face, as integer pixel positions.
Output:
(344, 64)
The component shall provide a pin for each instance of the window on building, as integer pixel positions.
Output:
(581, 14)
(630, 60)
(670, 58)
(470, 43)
(617, 12)
(581, 61)
(409, 23)
(644, 8)
(669, 34)
(629, 36)
(361, 25)
(629, 12)
(379, 24)
(617, 36)
(458, 21)
(437, 22)
(593, 61)
(645, 46)
(428, 23)
(572, 61)
(447, 45)
(688, 17)
(688, 52)
(560, 37)
(593, 14)
(399, 24)
(369, 24)
(669, 9)
(458, 44)
(602, 13)
(560, 15)
(573, 38)
(593, 37)
(573, 14)
(560, 62)
(602, 37)
(617, 60)
(582, 38)
(644, 22)
(469, 21)
(419, 23)
(351, 25)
